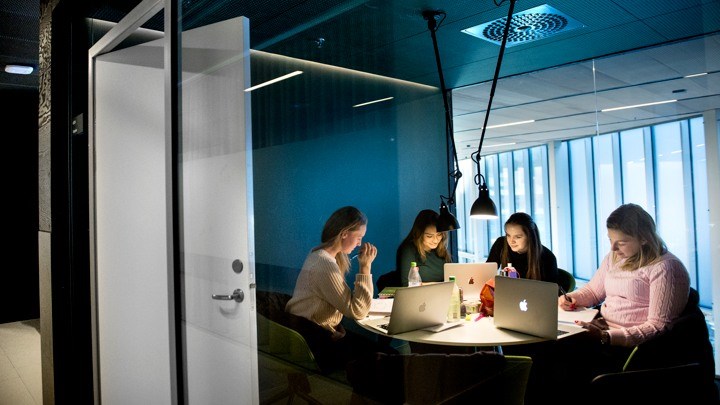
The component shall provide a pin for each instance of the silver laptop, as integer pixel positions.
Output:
(423, 307)
(470, 277)
(530, 307)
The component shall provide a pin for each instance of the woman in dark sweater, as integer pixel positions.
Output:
(425, 246)
(521, 246)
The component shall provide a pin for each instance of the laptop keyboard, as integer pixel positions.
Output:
(383, 325)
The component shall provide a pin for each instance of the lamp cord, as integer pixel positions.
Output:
(433, 26)
(492, 88)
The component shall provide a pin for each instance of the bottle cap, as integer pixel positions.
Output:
(452, 278)
(413, 264)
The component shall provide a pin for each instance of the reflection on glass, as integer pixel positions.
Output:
(521, 183)
(702, 216)
(605, 199)
(540, 193)
(582, 208)
(632, 148)
(670, 186)
(507, 201)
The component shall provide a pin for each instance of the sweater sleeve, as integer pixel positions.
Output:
(548, 266)
(406, 254)
(355, 304)
(669, 285)
(593, 293)
(322, 295)
(496, 251)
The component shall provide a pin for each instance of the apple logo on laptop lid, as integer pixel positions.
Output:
(523, 305)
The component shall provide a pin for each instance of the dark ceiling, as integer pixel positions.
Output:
(657, 41)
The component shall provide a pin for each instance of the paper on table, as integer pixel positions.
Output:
(381, 306)
(580, 314)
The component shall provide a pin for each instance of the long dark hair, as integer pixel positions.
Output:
(634, 221)
(534, 245)
(424, 219)
(343, 219)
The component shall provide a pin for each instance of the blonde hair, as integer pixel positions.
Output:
(345, 219)
(634, 221)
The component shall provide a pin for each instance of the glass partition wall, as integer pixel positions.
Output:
(281, 118)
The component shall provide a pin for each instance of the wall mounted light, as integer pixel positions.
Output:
(19, 69)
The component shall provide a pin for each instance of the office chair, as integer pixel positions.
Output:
(566, 280)
(285, 352)
(435, 378)
(676, 366)
(674, 384)
(389, 279)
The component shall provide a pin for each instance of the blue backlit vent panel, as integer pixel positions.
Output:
(526, 26)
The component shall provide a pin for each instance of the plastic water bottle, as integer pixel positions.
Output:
(454, 310)
(414, 279)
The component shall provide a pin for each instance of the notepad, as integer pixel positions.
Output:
(381, 306)
(580, 314)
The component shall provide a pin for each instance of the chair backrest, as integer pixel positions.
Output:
(285, 344)
(566, 280)
(440, 378)
(389, 279)
(676, 384)
(687, 341)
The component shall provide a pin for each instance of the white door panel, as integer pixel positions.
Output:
(132, 205)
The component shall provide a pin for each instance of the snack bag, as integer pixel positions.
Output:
(487, 297)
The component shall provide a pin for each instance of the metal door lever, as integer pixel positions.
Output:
(237, 295)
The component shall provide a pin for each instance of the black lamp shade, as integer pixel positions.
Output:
(446, 220)
(483, 207)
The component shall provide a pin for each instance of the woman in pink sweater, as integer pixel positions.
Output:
(641, 289)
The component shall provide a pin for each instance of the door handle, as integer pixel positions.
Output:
(238, 295)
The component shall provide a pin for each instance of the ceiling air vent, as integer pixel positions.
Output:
(526, 26)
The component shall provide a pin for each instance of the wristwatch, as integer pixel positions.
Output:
(605, 338)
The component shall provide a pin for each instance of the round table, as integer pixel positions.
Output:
(470, 333)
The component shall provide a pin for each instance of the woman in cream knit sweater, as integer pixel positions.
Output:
(322, 296)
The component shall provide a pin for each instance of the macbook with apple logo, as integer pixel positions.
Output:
(424, 307)
(530, 307)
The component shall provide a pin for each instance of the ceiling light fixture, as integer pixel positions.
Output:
(277, 79)
(373, 102)
(696, 75)
(484, 207)
(19, 69)
(501, 144)
(446, 220)
(637, 105)
(509, 124)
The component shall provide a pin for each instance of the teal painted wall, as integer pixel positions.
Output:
(313, 153)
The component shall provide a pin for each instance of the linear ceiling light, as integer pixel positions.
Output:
(19, 69)
(696, 75)
(277, 79)
(637, 105)
(509, 124)
(373, 102)
(500, 144)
